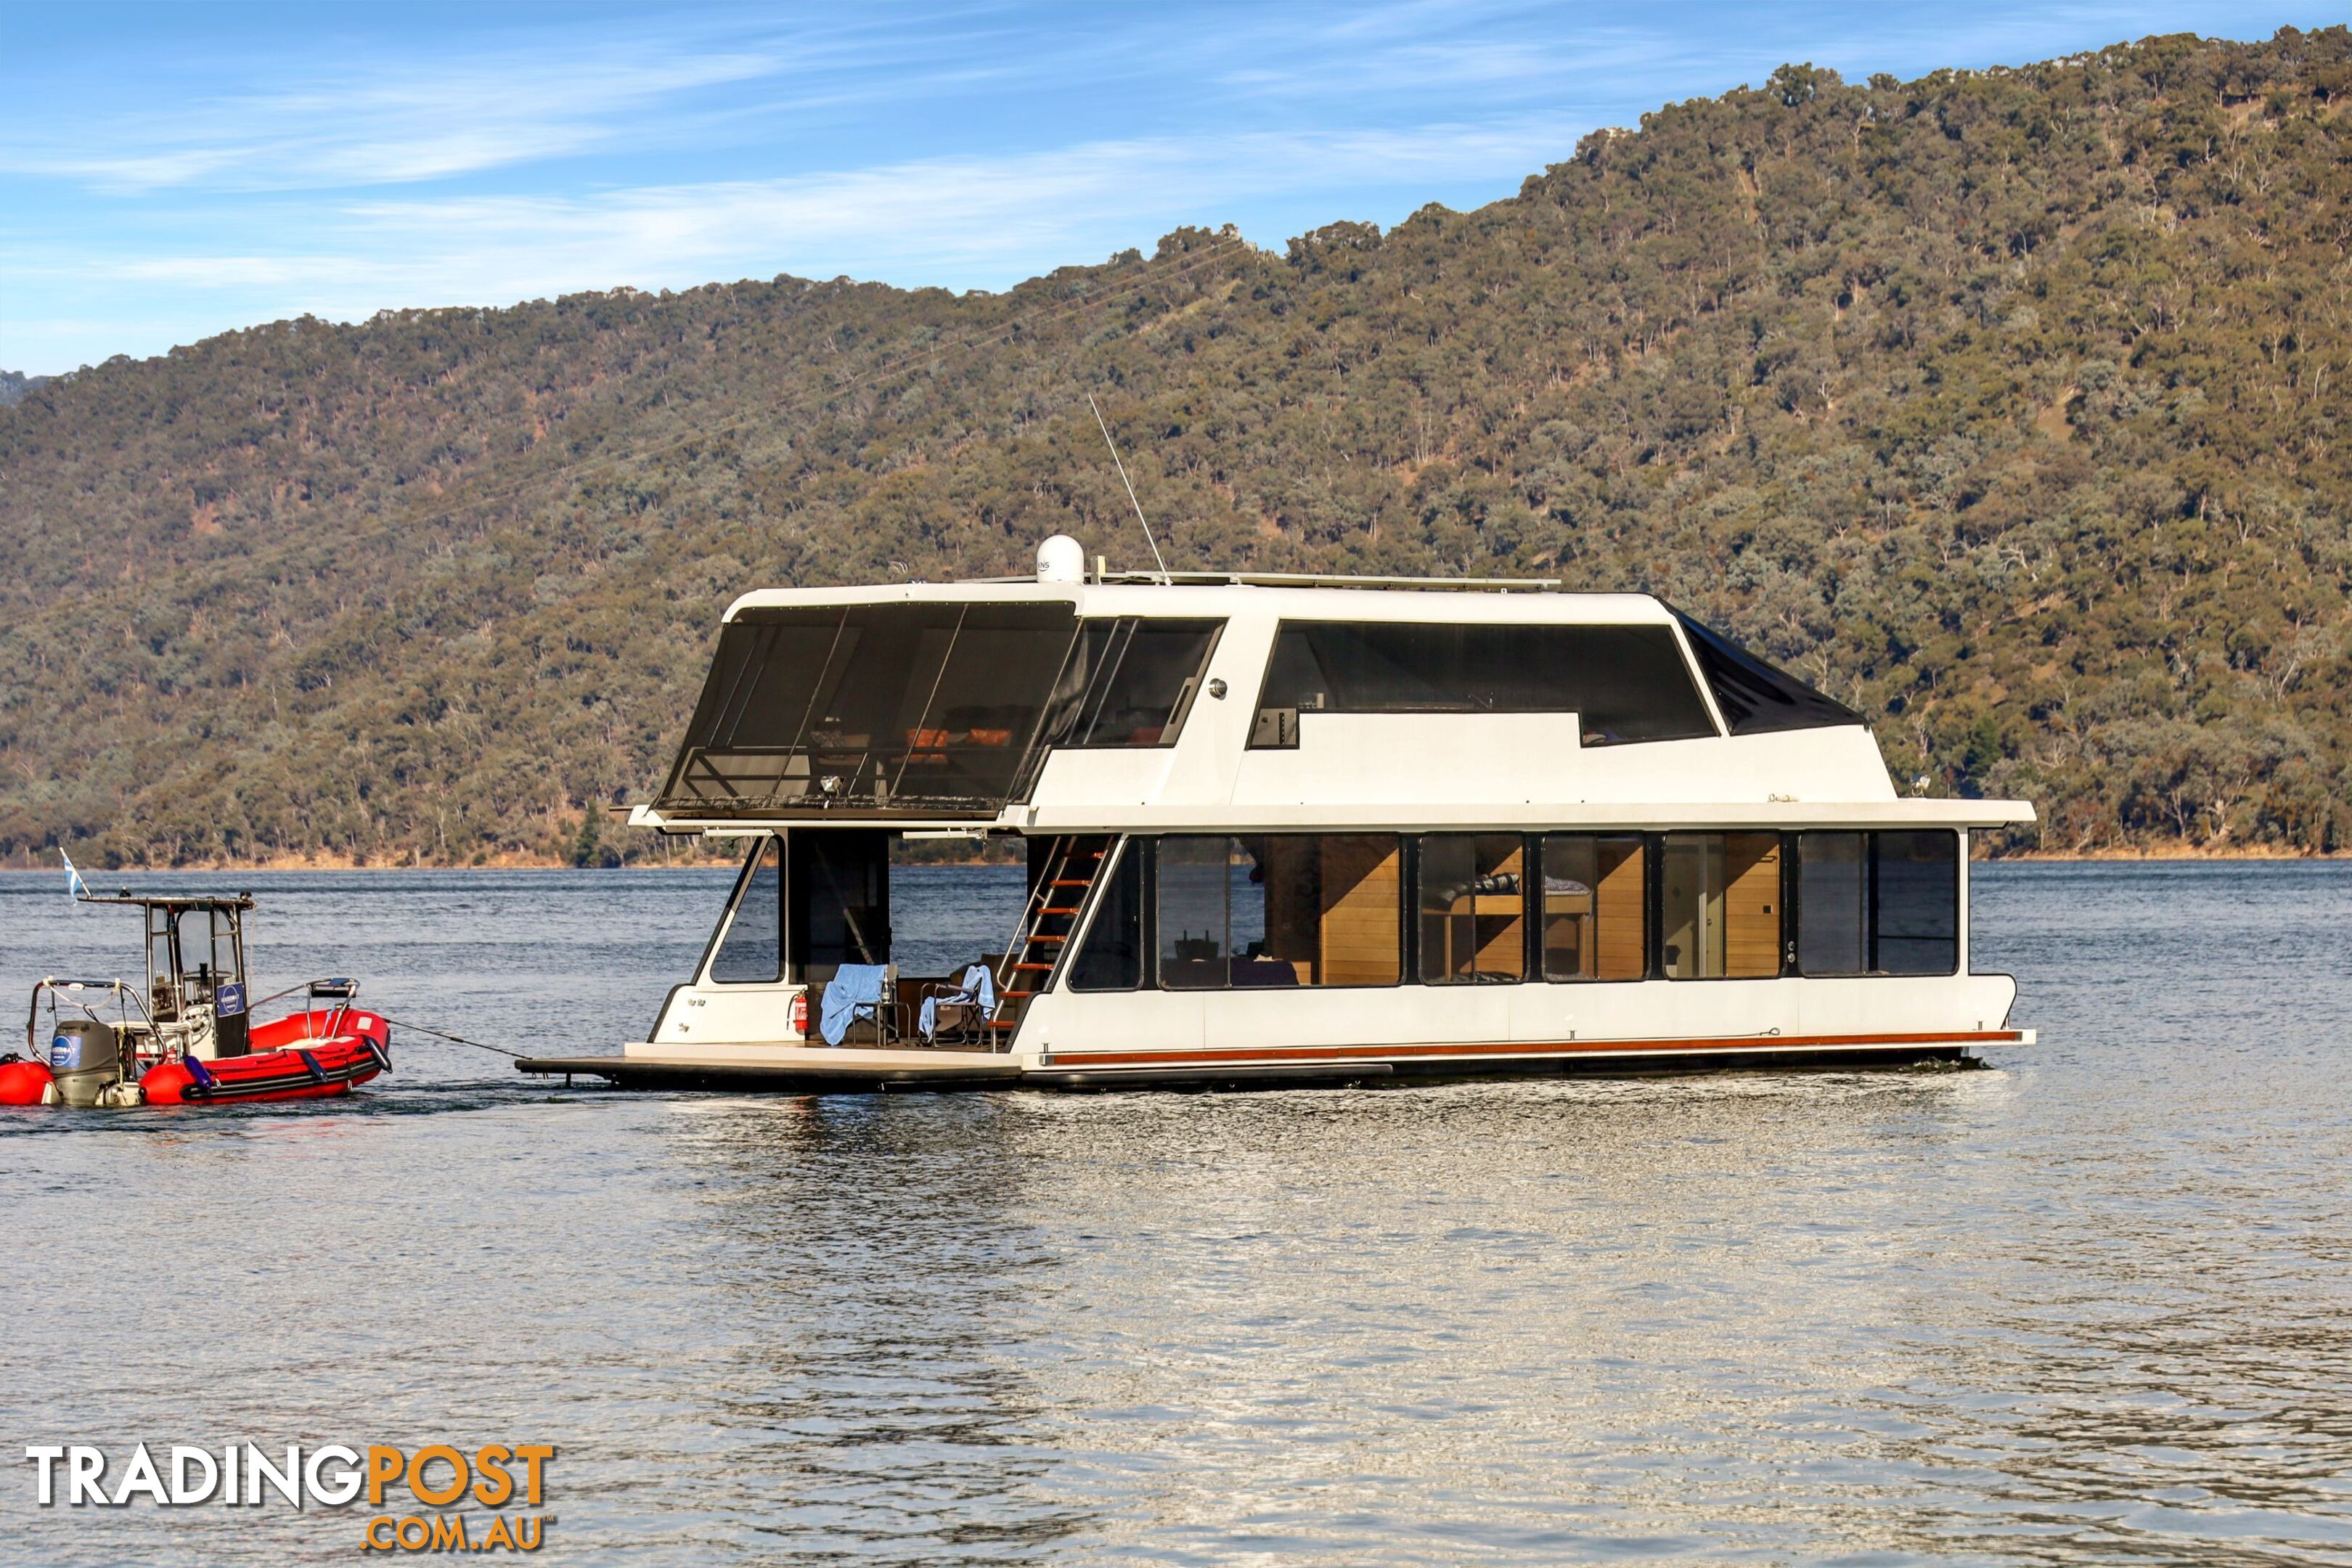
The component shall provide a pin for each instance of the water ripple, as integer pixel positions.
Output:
(2088, 1307)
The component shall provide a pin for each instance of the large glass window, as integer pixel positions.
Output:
(1195, 941)
(1878, 903)
(1279, 910)
(1626, 683)
(1833, 903)
(837, 900)
(1595, 907)
(1720, 904)
(752, 950)
(902, 707)
(1918, 903)
(1112, 956)
(1130, 682)
(1473, 908)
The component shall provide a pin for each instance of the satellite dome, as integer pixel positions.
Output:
(1061, 559)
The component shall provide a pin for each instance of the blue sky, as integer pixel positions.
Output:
(168, 171)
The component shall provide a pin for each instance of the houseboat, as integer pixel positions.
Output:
(1293, 829)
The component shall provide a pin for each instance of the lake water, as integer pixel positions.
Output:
(2093, 1305)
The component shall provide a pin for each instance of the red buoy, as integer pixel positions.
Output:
(23, 1083)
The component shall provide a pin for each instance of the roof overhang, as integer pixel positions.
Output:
(1660, 817)
(1436, 601)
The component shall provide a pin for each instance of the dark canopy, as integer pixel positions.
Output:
(1758, 698)
(902, 710)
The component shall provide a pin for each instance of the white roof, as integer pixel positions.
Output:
(1325, 600)
(1518, 770)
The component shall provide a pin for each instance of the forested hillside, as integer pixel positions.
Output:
(2007, 405)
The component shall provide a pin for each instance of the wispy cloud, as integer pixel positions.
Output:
(383, 129)
(958, 220)
(394, 122)
(197, 169)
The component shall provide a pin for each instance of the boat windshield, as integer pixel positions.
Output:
(192, 950)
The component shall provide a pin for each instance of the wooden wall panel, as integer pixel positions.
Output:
(1621, 903)
(1502, 925)
(1751, 905)
(1363, 884)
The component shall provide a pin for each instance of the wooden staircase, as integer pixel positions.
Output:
(1067, 873)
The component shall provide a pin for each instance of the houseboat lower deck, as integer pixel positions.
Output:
(1286, 834)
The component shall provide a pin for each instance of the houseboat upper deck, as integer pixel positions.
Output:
(1302, 828)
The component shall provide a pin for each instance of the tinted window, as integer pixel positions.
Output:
(1130, 682)
(1280, 910)
(1755, 697)
(1195, 941)
(752, 950)
(1595, 908)
(1918, 903)
(1627, 683)
(907, 708)
(1832, 903)
(1721, 906)
(1112, 958)
(1473, 897)
(1878, 903)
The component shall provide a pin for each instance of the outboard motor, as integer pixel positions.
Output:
(86, 1060)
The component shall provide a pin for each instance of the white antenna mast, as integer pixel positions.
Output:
(1156, 560)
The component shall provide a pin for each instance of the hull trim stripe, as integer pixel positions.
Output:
(1215, 1058)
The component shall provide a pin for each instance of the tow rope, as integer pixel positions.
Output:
(439, 1035)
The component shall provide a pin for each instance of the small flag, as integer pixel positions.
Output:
(75, 886)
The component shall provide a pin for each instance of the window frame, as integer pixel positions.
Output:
(1959, 906)
(1723, 663)
(1783, 892)
(1789, 914)
(722, 772)
(734, 905)
(1648, 921)
(1129, 848)
(1870, 905)
(1684, 659)
(1409, 946)
(1152, 979)
(1863, 914)
(1530, 952)
(1189, 696)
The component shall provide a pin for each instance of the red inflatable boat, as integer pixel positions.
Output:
(189, 1037)
(321, 1054)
